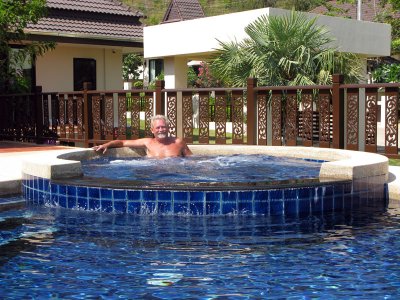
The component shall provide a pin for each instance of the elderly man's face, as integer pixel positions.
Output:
(160, 129)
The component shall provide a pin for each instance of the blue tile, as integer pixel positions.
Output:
(106, 205)
(134, 195)
(164, 196)
(229, 207)
(83, 203)
(213, 208)
(290, 194)
(197, 197)
(181, 207)
(106, 194)
(245, 206)
(120, 206)
(245, 196)
(94, 204)
(261, 195)
(165, 206)
(149, 195)
(149, 207)
(230, 196)
(119, 194)
(276, 207)
(62, 201)
(180, 196)
(62, 190)
(71, 190)
(261, 206)
(196, 208)
(304, 206)
(328, 204)
(275, 195)
(82, 191)
(134, 207)
(94, 193)
(213, 197)
(291, 206)
(72, 201)
(54, 188)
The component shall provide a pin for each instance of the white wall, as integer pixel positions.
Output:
(200, 36)
(54, 70)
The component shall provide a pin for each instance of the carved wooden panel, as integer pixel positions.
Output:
(262, 118)
(79, 116)
(276, 111)
(122, 121)
(371, 120)
(172, 116)
(61, 123)
(96, 116)
(237, 117)
(204, 117)
(69, 129)
(352, 106)
(324, 119)
(187, 116)
(108, 117)
(135, 115)
(291, 118)
(391, 119)
(220, 117)
(149, 113)
(307, 122)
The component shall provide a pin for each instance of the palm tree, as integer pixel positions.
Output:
(285, 50)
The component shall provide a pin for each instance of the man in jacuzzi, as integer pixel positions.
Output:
(160, 146)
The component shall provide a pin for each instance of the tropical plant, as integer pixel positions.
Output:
(284, 50)
(14, 18)
(387, 73)
(130, 67)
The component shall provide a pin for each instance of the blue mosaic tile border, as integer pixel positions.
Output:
(304, 200)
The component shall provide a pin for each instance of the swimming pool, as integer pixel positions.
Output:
(56, 253)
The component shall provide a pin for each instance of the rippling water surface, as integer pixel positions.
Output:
(234, 168)
(48, 253)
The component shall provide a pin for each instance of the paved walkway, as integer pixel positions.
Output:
(12, 154)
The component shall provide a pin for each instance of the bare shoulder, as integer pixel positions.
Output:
(143, 142)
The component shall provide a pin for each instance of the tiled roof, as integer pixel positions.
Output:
(181, 10)
(370, 9)
(91, 19)
(97, 6)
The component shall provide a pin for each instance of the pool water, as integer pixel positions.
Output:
(56, 253)
(232, 168)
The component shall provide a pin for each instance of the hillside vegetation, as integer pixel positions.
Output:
(155, 9)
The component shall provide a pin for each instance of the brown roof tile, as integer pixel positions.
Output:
(99, 6)
(181, 10)
(93, 19)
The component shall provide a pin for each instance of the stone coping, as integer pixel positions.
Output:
(338, 164)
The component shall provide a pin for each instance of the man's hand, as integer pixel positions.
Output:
(99, 148)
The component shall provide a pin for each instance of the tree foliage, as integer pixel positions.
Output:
(131, 64)
(14, 17)
(284, 50)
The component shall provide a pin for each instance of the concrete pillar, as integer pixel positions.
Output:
(175, 72)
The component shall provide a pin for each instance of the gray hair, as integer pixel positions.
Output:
(159, 117)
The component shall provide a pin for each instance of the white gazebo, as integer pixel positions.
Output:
(177, 43)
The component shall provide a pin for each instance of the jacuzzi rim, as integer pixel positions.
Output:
(118, 184)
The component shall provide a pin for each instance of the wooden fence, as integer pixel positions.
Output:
(338, 116)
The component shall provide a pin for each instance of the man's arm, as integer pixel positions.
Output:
(122, 143)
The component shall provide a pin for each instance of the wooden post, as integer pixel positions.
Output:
(338, 112)
(86, 86)
(38, 115)
(251, 112)
(159, 105)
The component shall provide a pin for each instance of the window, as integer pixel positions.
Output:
(156, 67)
(84, 71)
